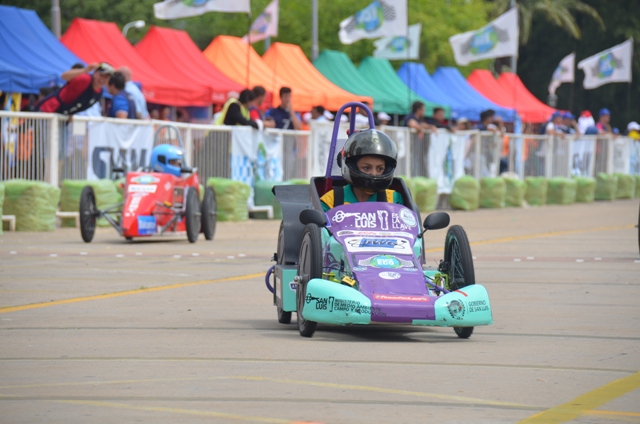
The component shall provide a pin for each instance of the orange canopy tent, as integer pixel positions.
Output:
(180, 59)
(96, 41)
(290, 62)
(229, 54)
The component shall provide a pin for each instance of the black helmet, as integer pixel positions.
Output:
(369, 142)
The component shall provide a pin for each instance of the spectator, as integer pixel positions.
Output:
(384, 118)
(604, 122)
(284, 116)
(463, 124)
(318, 114)
(122, 104)
(165, 113)
(362, 119)
(415, 119)
(633, 131)
(569, 124)
(236, 111)
(438, 120)
(486, 121)
(259, 93)
(81, 91)
(131, 88)
(154, 114)
(554, 125)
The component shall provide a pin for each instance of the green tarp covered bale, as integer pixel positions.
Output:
(1, 202)
(561, 191)
(536, 194)
(263, 196)
(231, 197)
(626, 186)
(515, 190)
(424, 192)
(34, 204)
(637, 177)
(586, 190)
(492, 192)
(105, 191)
(465, 194)
(606, 186)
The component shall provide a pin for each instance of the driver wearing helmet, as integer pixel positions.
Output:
(168, 159)
(367, 161)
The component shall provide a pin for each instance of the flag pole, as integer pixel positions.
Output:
(248, 48)
(314, 30)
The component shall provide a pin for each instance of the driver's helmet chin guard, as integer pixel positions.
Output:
(162, 155)
(369, 142)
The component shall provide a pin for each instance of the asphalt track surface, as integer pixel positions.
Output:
(165, 331)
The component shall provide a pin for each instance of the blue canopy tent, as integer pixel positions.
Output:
(458, 87)
(464, 103)
(32, 57)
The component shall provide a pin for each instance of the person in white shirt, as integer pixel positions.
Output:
(137, 96)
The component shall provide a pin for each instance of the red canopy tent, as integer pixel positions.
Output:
(180, 59)
(229, 54)
(290, 62)
(96, 41)
(483, 81)
(513, 83)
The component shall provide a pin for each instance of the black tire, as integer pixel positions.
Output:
(209, 213)
(459, 266)
(88, 212)
(192, 215)
(283, 316)
(309, 267)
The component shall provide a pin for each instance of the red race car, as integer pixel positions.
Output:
(156, 203)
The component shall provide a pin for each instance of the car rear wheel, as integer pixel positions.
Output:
(309, 267)
(193, 215)
(284, 317)
(459, 267)
(209, 213)
(88, 212)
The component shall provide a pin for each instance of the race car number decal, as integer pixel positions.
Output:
(385, 261)
(142, 188)
(145, 179)
(147, 225)
(367, 244)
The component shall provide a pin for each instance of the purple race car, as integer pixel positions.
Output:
(364, 263)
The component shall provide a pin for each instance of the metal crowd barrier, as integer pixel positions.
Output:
(50, 147)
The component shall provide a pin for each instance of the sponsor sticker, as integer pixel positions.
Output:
(292, 286)
(456, 309)
(359, 268)
(141, 188)
(364, 244)
(147, 225)
(389, 275)
(145, 179)
(401, 298)
(385, 261)
(407, 217)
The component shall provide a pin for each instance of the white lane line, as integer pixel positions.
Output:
(195, 254)
(517, 260)
(579, 260)
(83, 253)
(231, 257)
(530, 258)
(177, 256)
(120, 256)
(53, 255)
(13, 252)
(138, 253)
(241, 255)
(637, 261)
(598, 259)
(474, 258)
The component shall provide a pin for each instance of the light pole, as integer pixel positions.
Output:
(137, 24)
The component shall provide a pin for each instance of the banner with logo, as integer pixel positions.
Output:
(265, 25)
(381, 18)
(497, 39)
(400, 47)
(446, 159)
(563, 73)
(174, 9)
(612, 65)
(582, 157)
(634, 159)
(118, 145)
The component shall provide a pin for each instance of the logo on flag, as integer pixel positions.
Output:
(174, 9)
(611, 65)
(563, 73)
(380, 18)
(265, 25)
(400, 47)
(499, 38)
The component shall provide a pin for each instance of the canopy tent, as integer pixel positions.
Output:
(31, 55)
(512, 83)
(483, 81)
(96, 41)
(381, 73)
(229, 54)
(338, 68)
(454, 84)
(290, 62)
(180, 59)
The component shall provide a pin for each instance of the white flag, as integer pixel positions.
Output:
(400, 47)
(612, 65)
(380, 19)
(174, 9)
(265, 25)
(497, 39)
(563, 73)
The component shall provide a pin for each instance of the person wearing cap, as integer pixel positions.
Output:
(604, 122)
(554, 126)
(569, 125)
(585, 121)
(633, 130)
(80, 92)
(384, 118)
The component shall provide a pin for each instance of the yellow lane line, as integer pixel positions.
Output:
(8, 309)
(540, 235)
(383, 390)
(618, 413)
(175, 411)
(587, 402)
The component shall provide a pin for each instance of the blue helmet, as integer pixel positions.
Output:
(167, 158)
